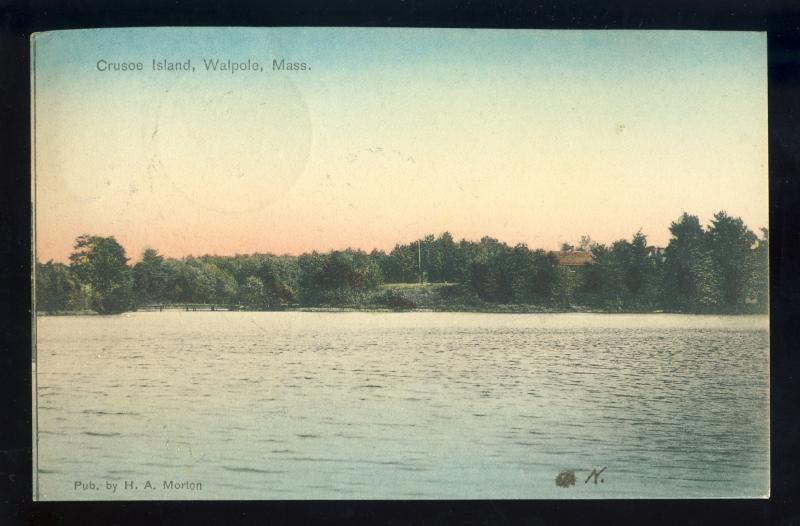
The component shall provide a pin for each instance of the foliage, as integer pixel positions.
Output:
(504, 274)
(58, 289)
(759, 268)
(730, 248)
(719, 269)
(340, 277)
(397, 300)
(149, 277)
(100, 263)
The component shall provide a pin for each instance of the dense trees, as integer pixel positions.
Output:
(340, 277)
(58, 290)
(625, 276)
(687, 269)
(149, 277)
(441, 258)
(721, 269)
(759, 280)
(100, 263)
(503, 274)
(730, 251)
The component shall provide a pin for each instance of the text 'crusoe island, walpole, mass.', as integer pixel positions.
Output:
(208, 64)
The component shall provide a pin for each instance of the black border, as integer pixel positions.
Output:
(19, 18)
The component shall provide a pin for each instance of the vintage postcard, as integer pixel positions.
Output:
(364, 263)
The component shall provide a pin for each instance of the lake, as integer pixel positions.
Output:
(297, 405)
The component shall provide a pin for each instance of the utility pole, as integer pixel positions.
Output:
(419, 258)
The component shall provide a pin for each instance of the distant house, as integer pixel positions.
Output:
(571, 258)
(577, 258)
(570, 266)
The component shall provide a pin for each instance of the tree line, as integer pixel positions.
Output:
(720, 268)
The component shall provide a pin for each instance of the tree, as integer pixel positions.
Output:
(339, 277)
(401, 265)
(723, 268)
(280, 278)
(593, 279)
(447, 256)
(430, 258)
(223, 285)
(442, 260)
(503, 274)
(532, 275)
(489, 283)
(252, 293)
(603, 280)
(149, 277)
(689, 283)
(622, 276)
(382, 260)
(567, 283)
(58, 289)
(100, 262)
(311, 268)
(731, 246)
(759, 281)
(190, 281)
(349, 269)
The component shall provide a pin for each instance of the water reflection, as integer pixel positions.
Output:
(406, 405)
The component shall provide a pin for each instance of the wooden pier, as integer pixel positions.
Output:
(187, 307)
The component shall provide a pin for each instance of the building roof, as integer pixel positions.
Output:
(572, 259)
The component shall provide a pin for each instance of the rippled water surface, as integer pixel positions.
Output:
(300, 405)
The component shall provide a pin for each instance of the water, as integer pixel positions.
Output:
(401, 405)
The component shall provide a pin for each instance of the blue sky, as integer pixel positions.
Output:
(528, 136)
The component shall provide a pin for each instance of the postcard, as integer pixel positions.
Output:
(373, 263)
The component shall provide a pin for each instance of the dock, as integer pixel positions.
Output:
(188, 307)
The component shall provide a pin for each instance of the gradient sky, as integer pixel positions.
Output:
(526, 136)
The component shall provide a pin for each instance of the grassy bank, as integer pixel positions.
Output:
(394, 297)
(432, 297)
(422, 297)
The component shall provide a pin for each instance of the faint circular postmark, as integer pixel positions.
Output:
(234, 143)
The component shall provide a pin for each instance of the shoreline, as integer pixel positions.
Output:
(515, 309)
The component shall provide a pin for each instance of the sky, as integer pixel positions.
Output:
(528, 136)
